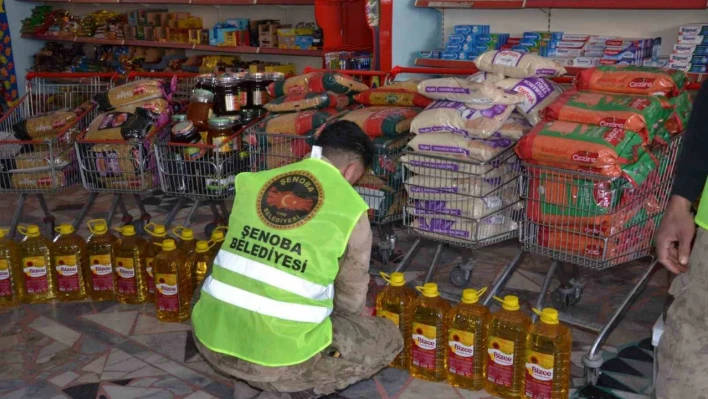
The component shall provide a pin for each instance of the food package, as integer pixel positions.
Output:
(383, 121)
(453, 166)
(458, 89)
(47, 180)
(514, 127)
(640, 114)
(403, 94)
(449, 189)
(513, 64)
(112, 125)
(46, 126)
(463, 231)
(630, 79)
(305, 101)
(316, 82)
(446, 144)
(481, 77)
(297, 123)
(458, 118)
(137, 91)
(473, 208)
(570, 143)
(538, 94)
(41, 159)
(678, 121)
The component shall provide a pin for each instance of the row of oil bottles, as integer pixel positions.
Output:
(129, 268)
(474, 349)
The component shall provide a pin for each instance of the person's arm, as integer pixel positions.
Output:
(352, 282)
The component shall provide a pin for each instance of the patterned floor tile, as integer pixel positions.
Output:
(56, 331)
(418, 389)
(120, 392)
(393, 380)
(150, 325)
(64, 379)
(169, 344)
(481, 394)
(120, 322)
(96, 366)
(362, 390)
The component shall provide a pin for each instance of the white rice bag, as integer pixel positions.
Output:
(481, 77)
(457, 89)
(515, 127)
(456, 189)
(518, 65)
(538, 94)
(449, 166)
(474, 208)
(446, 144)
(463, 231)
(462, 119)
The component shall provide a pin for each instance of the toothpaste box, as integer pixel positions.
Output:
(596, 39)
(574, 37)
(458, 55)
(661, 62)
(681, 66)
(543, 36)
(594, 53)
(691, 39)
(514, 40)
(570, 44)
(694, 29)
(585, 62)
(631, 54)
(497, 39)
(604, 61)
(535, 43)
(471, 29)
(566, 52)
(689, 59)
(690, 49)
(435, 54)
(564, 62)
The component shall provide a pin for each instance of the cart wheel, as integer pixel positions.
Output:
(560, 300)
(576, 297)
(209, 228)
(459, 277)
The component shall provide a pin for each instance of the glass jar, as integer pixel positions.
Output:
(178, 118)
(231, 95)
(258, 92)
(248, 115)
(200, 108)
(205, 82)
(220, 130)
(186, 132)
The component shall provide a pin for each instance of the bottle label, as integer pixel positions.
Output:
(67, 273)
(243, 98)
(5, 283)
(35, 274)
(424, 351)
(500, 364)
(167, 293)
(101, 272)
(150, 276)
(260, 97)
(231, 103)
(394, 317)
(125, 268)
(461, 353)
(539, 375)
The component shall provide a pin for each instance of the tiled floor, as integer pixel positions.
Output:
(111, 351)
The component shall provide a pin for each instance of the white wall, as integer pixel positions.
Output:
(414, 29)
(22, 50)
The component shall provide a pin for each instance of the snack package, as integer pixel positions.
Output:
(513, 64)
(316, 82)
(108, 125)
(383, 121)
(538, 94)
(569, 143)
(297, 123)
(137, 91)
(305, 101)
(46, 126)
(461, 90)
(403, 94)
(461, 119)
(514, 127)
(446, 144)
(648, 81)
(678, 121)
(641, 114)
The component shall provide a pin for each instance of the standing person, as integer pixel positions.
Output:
(683, 350)
(281, 307)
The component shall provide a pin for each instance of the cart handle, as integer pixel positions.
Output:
(64, 75)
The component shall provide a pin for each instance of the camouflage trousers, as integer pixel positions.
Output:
(365, 344)
(683, 349)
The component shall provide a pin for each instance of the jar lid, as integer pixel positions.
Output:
(220, 122)
(257, 76)
(206, 77)
(226, 79)
(276, 75)
(235, 119)
(201, 94)
(179, 118)
(182, 128)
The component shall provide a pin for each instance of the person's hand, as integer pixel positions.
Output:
(673, 239)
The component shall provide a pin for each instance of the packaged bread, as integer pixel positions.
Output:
(139, 90)
(316, 82)
(41, 180)
(114, 125)
(40, 159)
(513, 64)
(48, 125)
(403, 94)
(461, 90)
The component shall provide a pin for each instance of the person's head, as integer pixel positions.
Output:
(347, 147)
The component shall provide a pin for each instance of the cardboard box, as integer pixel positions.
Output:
(434, 54)
(218, 35)
(238, 23)
(687, 67)
(693, 39)
(471, 29)
(689, 59)
(690, 49)
(460, 55)
(268, 40)
(694, 29)
(543, 36)
(195, 36)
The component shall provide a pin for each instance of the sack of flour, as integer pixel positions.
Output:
(462, 119)
(538, 94)
(513, 64)
(457, 89)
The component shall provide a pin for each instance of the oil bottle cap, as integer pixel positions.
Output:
(548, 315)
(97, 226)
(3, 232)
(127, 230)
(472, 296)
(203, 246)
(218, 235)
(31, 230)
(167, 245)
(158, 230)
(429, 290)
(185, 233)
(396, 279)
(64, 229)
(510, 302)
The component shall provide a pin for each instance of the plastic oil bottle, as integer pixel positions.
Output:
(429, 334)
(186, 242)
(548, 347)
(101, 258)
(36, 260)
(467, 340)
(199, 263)
(217, 237)
(158, 233)
(69, 260)
(173, 289)
(395, 303)
(506, 347)
(129, 272)
(11, 289)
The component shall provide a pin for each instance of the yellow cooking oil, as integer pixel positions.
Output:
(157, 233)
(186, 242)
(12, 291)
(429, 335)
(69, 263)
(395, 303)
(36, 260)
(548, 347)
(173, 288)
(467, 340)
(129, 271)
(199, 263)
(217, 237)
(98, 273)
(506, 347)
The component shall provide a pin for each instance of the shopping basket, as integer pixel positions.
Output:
(47, 165)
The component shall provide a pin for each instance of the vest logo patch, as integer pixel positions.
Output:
(290, 200)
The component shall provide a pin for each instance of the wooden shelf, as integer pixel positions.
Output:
(192, 2)
(186, 46)
(584, 4)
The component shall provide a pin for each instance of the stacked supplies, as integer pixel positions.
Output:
(690, 54)
(580, 50)
(468, 41)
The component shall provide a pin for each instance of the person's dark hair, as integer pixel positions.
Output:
(346, 137)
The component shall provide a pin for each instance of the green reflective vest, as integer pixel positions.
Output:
(702, 214)
(271, 290)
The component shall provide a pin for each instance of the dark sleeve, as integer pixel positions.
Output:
(692, 165)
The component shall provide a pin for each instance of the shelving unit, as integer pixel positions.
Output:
(577, 4)
(188, 2)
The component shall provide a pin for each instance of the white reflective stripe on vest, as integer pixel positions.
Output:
(274, 277)
(265, 306)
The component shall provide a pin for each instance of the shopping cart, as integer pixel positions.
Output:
(183, 89)
(47, 165)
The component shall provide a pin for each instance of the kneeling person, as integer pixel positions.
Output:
(281, 307)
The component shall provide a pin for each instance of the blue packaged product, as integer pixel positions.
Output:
(434, 54)
(471, 29)
(691, 68)
(458, 55)
(543, 36)
(537, 43)
(238, 23)
(456, 39)
(690, 49)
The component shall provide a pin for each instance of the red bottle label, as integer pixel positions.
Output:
(67, 273)
(35, 271)
(125, 269)
(500, 363)
(424, 350)
(5, 283)
(539, 375)
(167, 293)
(101, 272)
(461, 353)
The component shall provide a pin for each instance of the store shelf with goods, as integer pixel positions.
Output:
(192, 2)
(584, 4)
(485, 4)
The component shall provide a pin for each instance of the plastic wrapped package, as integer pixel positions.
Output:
(403, 94)
(632, 80)
(461, 119)
(448, 144)
(315, 82)
(305, 101)
(538, 94)
(137, 91)
(48, 125)
(383, 121)
(464, 91)
(297, 123)
(513, 64)
(463, 231)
